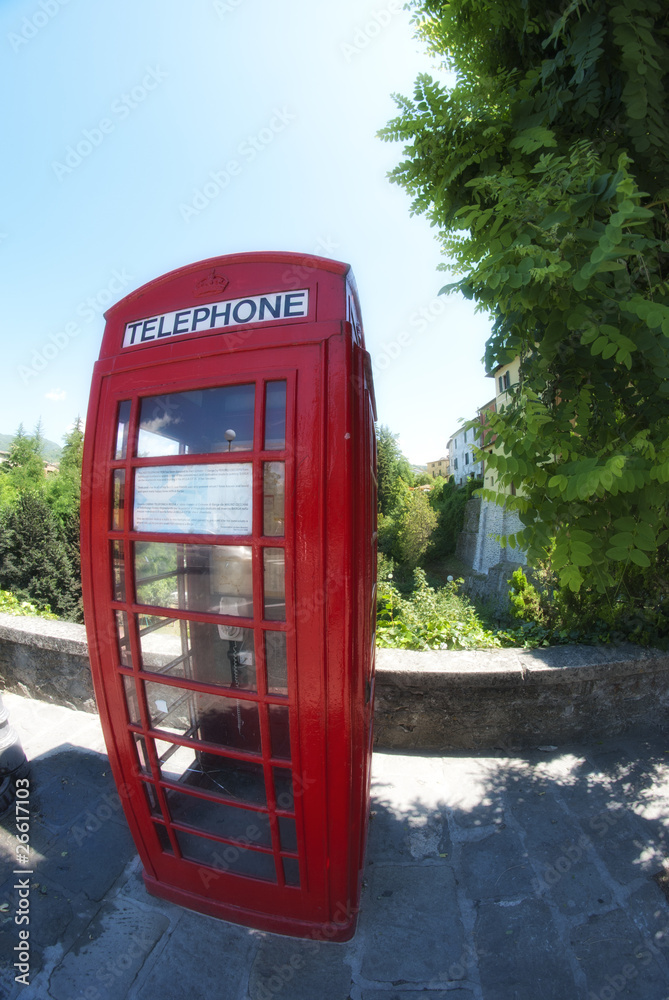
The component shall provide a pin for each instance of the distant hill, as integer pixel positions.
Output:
(52, 451)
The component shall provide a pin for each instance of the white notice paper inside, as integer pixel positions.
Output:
(195, 499)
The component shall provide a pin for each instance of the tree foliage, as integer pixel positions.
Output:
(34, 559)
(416, 527)
(392, 466)
(546, 171)
(39, 524)
(449, 503)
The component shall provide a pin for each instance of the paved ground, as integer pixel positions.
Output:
(498, 876)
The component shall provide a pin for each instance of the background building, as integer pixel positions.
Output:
(463, 465)
(438, 468)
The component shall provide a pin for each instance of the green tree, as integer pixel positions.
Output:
(546, 171)
(392, 466)
(64, 488)
(416, 526)
(24, 467)
(34, 560)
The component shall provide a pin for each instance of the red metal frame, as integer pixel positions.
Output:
(330, 558)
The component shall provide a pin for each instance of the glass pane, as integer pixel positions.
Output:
(118, 570)
(216, 654)
(226, 857)
(287, 833)
(275, 660)
(122, 429)
(208, 717)
(214, 578)
(283, 789)
(252, 828)
(232, 779)
(200, 422)
(279, 731)
(174, 761)
(275, 584)
(142, 755)
(123, 638)
(151, 799)
(164, 840)
(274, 474)
(118, 513)
(164, 646)
(195, 499)
(275, 416)
(131, 700)
(291, 871)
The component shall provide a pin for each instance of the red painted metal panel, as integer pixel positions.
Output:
(229, 590)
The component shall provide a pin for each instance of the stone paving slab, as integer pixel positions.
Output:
(289, 967)
(211, 956)
(109, 953)
(410, 923)
(497, 875)
(518, 951)
(436, 994)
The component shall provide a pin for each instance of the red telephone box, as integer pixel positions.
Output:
(229, 565)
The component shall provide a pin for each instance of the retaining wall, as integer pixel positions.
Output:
(47, 660)
(438, 700)
(454, 700)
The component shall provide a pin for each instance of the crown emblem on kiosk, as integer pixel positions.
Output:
(212, 284)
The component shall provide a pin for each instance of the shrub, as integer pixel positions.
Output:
(429, 618)
(10, 604)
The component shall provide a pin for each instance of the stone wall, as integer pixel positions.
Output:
(477, 546)
(464, 700)
(438, 700)
(47, 660)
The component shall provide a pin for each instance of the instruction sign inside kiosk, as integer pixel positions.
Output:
(195, 499)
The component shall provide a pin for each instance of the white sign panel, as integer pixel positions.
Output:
(195, 499)
(216, 315)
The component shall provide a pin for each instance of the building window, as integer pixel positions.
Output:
(467, 458)
(455, 463)
(504, 381)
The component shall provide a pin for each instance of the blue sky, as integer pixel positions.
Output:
(159, 96)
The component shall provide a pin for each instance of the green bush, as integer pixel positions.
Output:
(551, 615)
(428, 618)
(10, 604)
